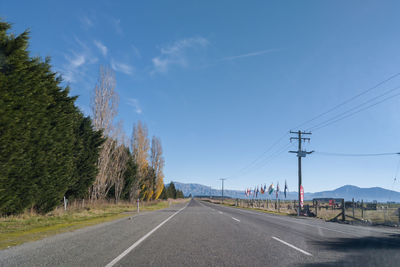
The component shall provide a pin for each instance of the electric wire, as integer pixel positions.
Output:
(344, 116)
(255, 164)
(356, 155)
(348, 100)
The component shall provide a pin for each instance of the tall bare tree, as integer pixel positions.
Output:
(157, 163)
(104, 108)
(140, 149)
(119, 161)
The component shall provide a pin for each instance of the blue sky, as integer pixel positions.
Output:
(220, 81)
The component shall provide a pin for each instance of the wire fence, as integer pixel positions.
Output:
(328, 209)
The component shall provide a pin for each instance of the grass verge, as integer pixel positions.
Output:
(15, 230)
(232, 205)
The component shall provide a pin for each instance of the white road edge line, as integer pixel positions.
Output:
(290, 245)
(123, 254)
(276, 217)
(236, 219)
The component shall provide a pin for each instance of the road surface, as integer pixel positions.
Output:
(203, 234)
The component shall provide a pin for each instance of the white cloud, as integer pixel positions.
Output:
(103, 49)
(121, 67)
(76, 63)
(252, 54)
(86, 22)
(175, 54)
(135, 103)
(136, 51)
(117, 25)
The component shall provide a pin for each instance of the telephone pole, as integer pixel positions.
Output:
(300, 154)
(222, 180)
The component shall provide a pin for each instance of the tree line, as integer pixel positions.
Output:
(50, 149)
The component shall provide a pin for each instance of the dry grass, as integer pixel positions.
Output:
(15, 230)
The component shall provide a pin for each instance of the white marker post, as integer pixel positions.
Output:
(65, 203)
(138, 206)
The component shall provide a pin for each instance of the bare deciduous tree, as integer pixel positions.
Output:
(157, 163)
(119, 161)
(140, 149)
(104, 107)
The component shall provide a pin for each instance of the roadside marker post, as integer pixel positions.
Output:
(138, 209)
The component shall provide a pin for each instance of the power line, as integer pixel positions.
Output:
(270, 158)
(254, 162)
(354, 108)
(356, 155)
(348, 100)
(331, 121)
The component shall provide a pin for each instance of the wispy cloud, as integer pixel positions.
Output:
(103, 49)
(76, 61)
(135, 103)
(116, 23)
(175, 54)
(86, 22)
(122, 67)
(251, 54)
(136, 51)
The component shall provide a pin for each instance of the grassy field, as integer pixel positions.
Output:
(15, 230)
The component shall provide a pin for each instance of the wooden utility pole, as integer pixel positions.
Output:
(300, 154)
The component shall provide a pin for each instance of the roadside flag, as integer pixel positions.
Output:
(271, 189)
(257, 191)
(262, 190)
(265, 187)
(286, 188)
(277, 190)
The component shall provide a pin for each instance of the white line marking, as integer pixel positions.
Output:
(123, 254)
(236, 219)
(290, 245)
(294, 221)
(220, 212)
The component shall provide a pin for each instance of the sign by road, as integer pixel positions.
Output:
(301, 196)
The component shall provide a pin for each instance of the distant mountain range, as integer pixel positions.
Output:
(347, 192)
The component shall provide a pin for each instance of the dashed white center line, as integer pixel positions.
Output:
(220, 212)
(236, 219)
(290, 245)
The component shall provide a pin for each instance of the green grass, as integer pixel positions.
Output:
(15, 230)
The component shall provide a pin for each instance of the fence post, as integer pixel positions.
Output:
(343, 211)
(398, 210)
(279, 205)
(362, 209)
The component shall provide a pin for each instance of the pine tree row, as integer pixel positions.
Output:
(49, 149)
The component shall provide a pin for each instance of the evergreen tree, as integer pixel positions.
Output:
(179, 194)
(171, 191)
(130, 177)
(163, 194)
(87, 147)
(38, 125)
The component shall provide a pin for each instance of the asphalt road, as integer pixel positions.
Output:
(204, 234)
